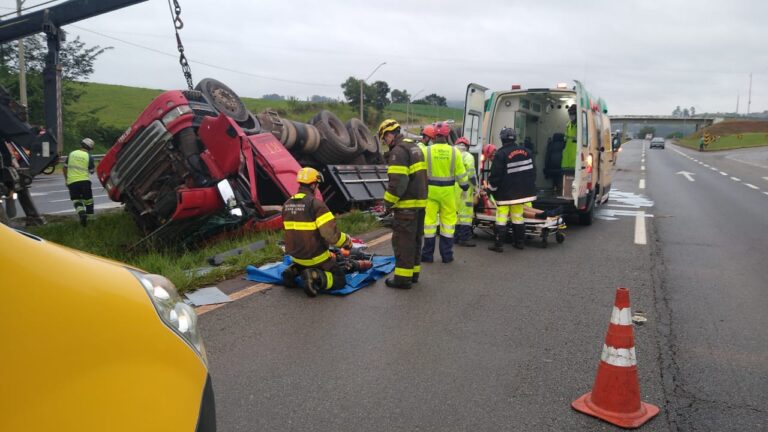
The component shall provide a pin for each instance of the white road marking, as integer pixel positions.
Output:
(751, 186)
(706, 165)
(641, 185)
(765, 178)
(713, 168)
(686, 174)
(735, 179)
(67, 199)
(723, 173)
(642, 167)
(38, 193)
(765, 193)
(96, 207)
(640, 237)
(622, 205)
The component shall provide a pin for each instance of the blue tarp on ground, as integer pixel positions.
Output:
(272, 273)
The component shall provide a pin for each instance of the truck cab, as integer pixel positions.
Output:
(540, 117)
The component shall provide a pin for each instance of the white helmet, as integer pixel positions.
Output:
(87, 143)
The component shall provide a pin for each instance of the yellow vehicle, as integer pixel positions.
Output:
(90, 344)
(540, 115)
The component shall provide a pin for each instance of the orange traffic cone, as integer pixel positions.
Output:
(615, 397)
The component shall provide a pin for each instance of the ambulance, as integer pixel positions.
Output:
(540, 116)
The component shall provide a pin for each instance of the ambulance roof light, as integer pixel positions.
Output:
(516, 87)
(562, 85)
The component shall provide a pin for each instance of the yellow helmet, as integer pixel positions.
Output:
(308, 176)
(388, 125)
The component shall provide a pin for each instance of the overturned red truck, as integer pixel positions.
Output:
(197, 163)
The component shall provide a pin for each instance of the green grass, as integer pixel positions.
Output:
(423, 114)
(115, 105)
(111, 235)
(729, 142)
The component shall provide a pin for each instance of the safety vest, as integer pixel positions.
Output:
(469, 166)
(443, 167)
(77, 166)
(569, 151)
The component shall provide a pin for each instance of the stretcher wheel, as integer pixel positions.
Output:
(560, 237)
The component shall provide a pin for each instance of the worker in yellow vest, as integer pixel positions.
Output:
(465, 198)
(444, 169)
(78, 168)
(569, 151)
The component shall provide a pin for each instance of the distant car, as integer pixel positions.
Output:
(658, 142)
(92, 345)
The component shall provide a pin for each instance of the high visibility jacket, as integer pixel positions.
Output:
(309, 230)
(569, 151)
(79, 164)
(407, 174)
(445, 166)
(469, 166)
(513, 177)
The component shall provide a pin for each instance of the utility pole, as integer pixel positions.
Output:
(22, 66)
(737, 102)
(749, 99)
(362, 83)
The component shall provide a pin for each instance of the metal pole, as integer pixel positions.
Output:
(749, 100)
(22, 65)
(361, 102)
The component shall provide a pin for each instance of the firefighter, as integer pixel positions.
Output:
(406, 196)
(513, 184)
(465, 198)
(78, 168)
(568, 162)
(444, 169)
(310, 229)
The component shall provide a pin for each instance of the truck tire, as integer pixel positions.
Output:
(288, 134)
(223, 98)
(336, 146)
(307, 138)
(362, 135)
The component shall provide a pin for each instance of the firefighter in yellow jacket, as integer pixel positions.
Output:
(465, 198)
(444, 169)
(310, 229)
(406, 197)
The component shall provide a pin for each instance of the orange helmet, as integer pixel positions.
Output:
(442, 129)
(489, 151)
(429, 132)
(462, 141)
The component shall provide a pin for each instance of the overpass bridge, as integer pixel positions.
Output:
(664, 125)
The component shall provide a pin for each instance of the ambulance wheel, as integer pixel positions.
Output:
(560, 237)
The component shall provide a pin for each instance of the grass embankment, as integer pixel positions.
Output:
(730, 134)
(112, 234)
(423, 114)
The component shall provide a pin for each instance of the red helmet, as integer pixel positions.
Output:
(429, 132)
(488, 151)
(462, 141)
(442, 129)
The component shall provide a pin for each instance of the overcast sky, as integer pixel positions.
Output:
(642, 57)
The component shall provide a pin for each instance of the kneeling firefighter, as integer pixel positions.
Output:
(512, 183)
(310, 229)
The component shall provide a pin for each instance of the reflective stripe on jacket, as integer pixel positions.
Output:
(310, 229)
(407, 174)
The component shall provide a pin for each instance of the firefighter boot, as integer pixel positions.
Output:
(499, 231)
(314, 281)
(428, 250)
(83, 219)
(398, 282)
(289, 276)
(519, 236)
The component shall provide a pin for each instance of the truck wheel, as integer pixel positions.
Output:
(336, 146)
(587, 217)
(288, 134)
(362, 135)
(250, 126)
(307, 138)
(223, 98)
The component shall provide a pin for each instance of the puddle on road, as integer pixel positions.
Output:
(619, 201)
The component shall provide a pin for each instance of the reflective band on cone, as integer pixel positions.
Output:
(615, 396)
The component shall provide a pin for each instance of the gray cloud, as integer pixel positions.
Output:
(642, 57)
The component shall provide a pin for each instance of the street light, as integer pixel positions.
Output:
(362, 82)
(408, 104)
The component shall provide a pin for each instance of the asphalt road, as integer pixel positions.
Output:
(50, 195)
(711, 237)
(490, 342)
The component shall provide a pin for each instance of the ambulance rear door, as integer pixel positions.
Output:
(474, 109)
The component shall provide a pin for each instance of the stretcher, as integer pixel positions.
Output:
(541, 229)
